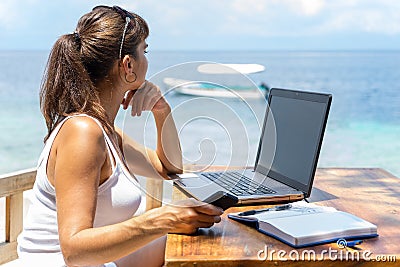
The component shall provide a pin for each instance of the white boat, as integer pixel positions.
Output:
(199, 88)
(209, 89)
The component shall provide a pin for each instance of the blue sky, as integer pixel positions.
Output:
(219, 24)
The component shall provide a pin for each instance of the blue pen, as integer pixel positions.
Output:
(276, 208)
(354, 243)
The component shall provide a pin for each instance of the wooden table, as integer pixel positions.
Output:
(372, 194)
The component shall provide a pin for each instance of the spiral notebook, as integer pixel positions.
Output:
(306, 224)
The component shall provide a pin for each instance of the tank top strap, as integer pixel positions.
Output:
(112, 152)
(43, 158)
(118, 161)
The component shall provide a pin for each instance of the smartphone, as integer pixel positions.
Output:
(222, 199)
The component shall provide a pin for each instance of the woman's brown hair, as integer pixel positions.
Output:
(80, 60)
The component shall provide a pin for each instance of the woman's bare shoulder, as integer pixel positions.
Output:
(79, 145)
(83, 132)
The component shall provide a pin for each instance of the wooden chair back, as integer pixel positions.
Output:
(12, 186)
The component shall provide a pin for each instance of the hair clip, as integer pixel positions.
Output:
(77, 36)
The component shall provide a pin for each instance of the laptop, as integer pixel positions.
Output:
(287, 157)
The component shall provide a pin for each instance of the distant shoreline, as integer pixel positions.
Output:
(241, 51)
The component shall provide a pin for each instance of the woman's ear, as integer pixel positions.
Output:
(127, 64)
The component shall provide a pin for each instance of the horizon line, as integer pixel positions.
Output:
(237, 50)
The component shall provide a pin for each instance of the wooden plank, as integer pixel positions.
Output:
(372, 194)
(12, 186)
(14, 219)
(17, 181)
(154, 193)
(8, 252)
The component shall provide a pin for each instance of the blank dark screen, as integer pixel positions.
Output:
(298, 124)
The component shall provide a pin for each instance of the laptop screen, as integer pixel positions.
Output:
(292, 137)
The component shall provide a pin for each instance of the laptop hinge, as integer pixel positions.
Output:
(305, 199)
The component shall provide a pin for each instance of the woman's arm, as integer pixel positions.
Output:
(168, 155)
(168, 147)
(80, 164)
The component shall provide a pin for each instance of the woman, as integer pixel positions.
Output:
(85, 206)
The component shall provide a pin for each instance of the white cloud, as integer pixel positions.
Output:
(8, 14)
(247, 7)
(197, 21)
(300, 7)
(166, 17)
(365, 16)
(309, 7)
(310, 17)
(15, 14)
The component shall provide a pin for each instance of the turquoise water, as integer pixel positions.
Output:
(363, 128)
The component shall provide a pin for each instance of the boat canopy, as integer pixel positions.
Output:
(216, 68)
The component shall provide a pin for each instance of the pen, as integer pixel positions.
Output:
(276, 208)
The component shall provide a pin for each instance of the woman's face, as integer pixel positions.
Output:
(140, 64)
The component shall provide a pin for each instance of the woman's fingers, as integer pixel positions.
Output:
(201, 207)
(194, 220)
(152, 96)
(127, 99)
(209, 209)
(147, 97)
(137, 104)
(202, 221)
(142, 99)
(190, 214)
(208, 218)
(150, 101)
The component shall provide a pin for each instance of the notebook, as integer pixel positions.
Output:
(306, 224)
(287, 157)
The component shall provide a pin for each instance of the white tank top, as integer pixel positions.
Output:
(119, 198)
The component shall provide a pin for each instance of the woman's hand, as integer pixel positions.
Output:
(185, 217)
(167, 158)
(147, 97)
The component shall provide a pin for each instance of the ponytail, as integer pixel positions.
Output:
(66, 87)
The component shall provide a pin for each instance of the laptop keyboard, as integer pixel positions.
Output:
(237, 183)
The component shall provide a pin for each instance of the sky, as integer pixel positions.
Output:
(245, 25)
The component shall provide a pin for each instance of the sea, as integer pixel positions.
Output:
(363, 128)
